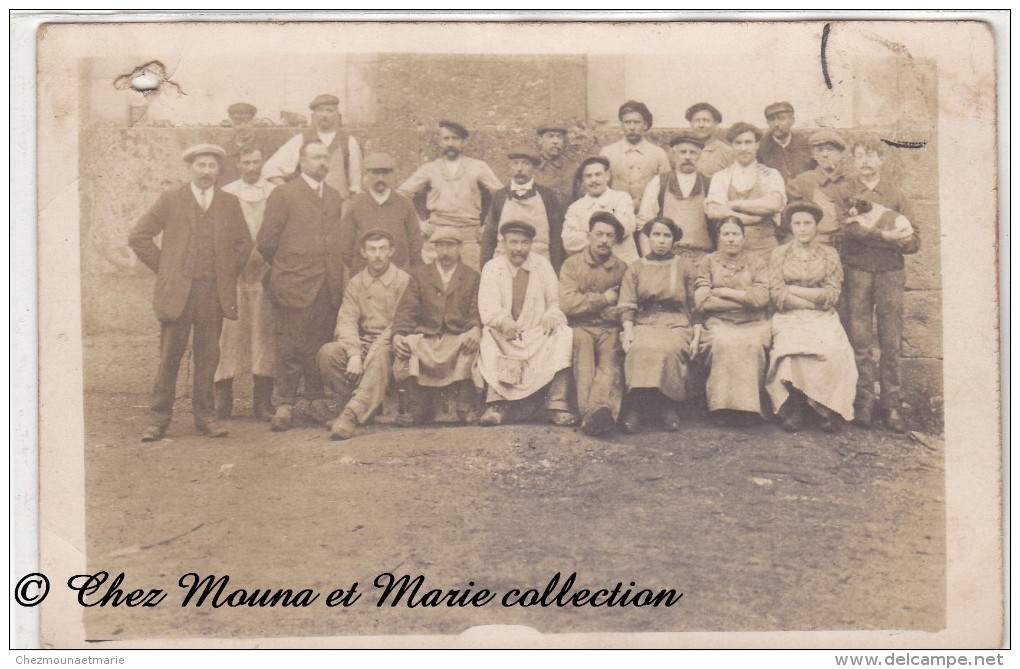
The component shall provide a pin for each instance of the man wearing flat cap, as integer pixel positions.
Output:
(716, 154)
(525, 350)
(379, 206)
(246, 136)
(598, 196)
(825, 184)
(357, 365)
(589, 291)
(680, 196)
(299, 239)
(555, 171)
(455, 186)
(523, 200)
(782, 149)
(436, 333)
(344, 150)
(204, 246)
(633, 160)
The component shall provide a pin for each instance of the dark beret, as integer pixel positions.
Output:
(827, 136)
(778, 108)
(454, 127)
(527, 154)
(241, 110)
(375, 232)
(601, 160)
(798, 206)
(611, 219)
(324, 99)
(635, 106)
(686, 137)
(703, 106)
(518, 226)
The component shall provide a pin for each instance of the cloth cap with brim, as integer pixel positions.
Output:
(525, 154)
(197, 150)
(380, 161)
(687, 137)
(445, 233)
(455, 128)
(550, 127)
(798, 206)
(324, 99)
(703, 106)
(827, 137)
(778, 108)
(610, 219)
(241, 110)
(635, 106)
(518, 226)
(375, 232)
(593, 160)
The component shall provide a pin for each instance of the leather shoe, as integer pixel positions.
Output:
(670, 419)
(344, 426)
(597, 422)
(281, 422)
(631, 423)
(224, 398)
(211, 428)
(894, 421)
(562, 418)
(153, 433)
(494, 415)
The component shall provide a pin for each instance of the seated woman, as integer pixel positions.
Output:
(658, 334)
(731, 293)
(813, 369)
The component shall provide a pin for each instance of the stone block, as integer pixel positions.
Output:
(922, 324)
(923, 394)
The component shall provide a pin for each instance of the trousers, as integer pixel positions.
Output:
(871, 297)
(371, 389)
(598, 368)
(300, 333)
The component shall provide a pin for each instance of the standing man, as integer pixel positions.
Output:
(634, 161)
(204, 246)
(343, 150)
(455, 184)
(589, 290)
(523, 200)
(782, 149)
(526, 342)
(436, 333)
(717, 154)
(248, 345)
(599, 197)
(554, 171)
(680, 196)
(378, 206)
(299, 239)
(826, 184)
(357, 365)
(246, 136)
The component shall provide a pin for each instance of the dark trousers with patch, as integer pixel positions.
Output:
(876, 298)
(300, 333)
(202, 314)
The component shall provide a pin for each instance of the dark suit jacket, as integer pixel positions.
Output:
(299, 237)
(174, 215)
(427, 309)
(553, 211)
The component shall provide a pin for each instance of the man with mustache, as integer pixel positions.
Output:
(634, 160)
(555, 171)
(204, 246)
(379, 207)
(680, 195)
(455, 185)
(246, 136)
(716, 154)
(599, 197)
(782, 149)
(299, 240)
(523, 200)
(825, 184)
(344, 150)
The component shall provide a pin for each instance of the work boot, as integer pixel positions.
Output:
(894, 421)
(210, 428)
(494, 415)
(864, 414)
(630, 422)
(670, 418)
(153, 433)
(281, 422)
(597, 422)
(344, 426)
(224, 392)
(562, 418)
(791, 415)
(262, 396)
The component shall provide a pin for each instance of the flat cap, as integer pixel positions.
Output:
(551, 127)
(324, 99)
(455, 128)
(526, 154)
(379, 161)
(609, 218)
(798, 206)
(241, 110)
(778, 108)
(635, 106)
(197, 150)
(686, 137)
(827, 137)
(703, 106)
(592, 160)
(445, 233)
(375, 232)
(518, 226)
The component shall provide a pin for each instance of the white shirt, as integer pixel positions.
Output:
(575, 222)
(315, 185)
(284, 162)
(445, 275)
(202, 197)
(381, 199)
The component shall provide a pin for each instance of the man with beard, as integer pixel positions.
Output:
(248, 345)
(204, 245)
(554, 171)
(524, 354)
(436, 333)
(246, 137)
(599, 197)
(680, 196)
(825, 184)
(344, 152)
(717, 154)
(782, 149)
(634, 161)
(357, 365)
(299, 239)
(455, 184)
(380, 207)
(523, 200)
(589, 290)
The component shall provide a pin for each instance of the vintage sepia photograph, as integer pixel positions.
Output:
(400, 330)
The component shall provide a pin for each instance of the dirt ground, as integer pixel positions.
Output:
(759, 529)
